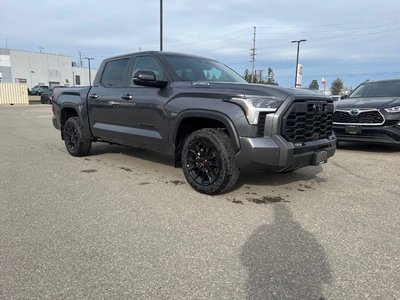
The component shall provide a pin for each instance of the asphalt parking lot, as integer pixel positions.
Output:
(122, 223)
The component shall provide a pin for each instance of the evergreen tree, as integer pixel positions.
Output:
(247, 75)
(270, 78)
(314, 85)
(337, 87)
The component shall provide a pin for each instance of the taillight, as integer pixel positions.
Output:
(52, 104)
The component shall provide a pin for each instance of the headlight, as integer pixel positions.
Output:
(252, 106)
(395, 109)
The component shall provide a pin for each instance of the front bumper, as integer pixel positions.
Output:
(373, 134)
(277, 154)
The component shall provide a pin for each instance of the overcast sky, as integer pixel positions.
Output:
(354, 40)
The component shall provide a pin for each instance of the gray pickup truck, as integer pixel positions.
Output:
(204, 114)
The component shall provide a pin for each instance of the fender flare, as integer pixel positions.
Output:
(82, 115)
(206, 114)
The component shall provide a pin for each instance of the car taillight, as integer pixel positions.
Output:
(52, 104)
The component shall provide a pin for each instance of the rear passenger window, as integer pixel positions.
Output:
(114, 73)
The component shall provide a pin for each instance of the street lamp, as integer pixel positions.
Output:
(161, 25)
(297, 60)
(90, 74)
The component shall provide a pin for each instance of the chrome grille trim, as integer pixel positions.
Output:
(361, 112)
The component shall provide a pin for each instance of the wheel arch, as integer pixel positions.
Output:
(66, 113)
(70, 110)
(190, 121)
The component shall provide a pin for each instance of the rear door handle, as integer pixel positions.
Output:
(94, 96)
(127, 97)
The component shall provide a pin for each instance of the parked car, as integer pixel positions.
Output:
(45, 97)
(371, 113)
(39, 89)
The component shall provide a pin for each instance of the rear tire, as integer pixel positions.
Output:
(74, 139)
(208, 161)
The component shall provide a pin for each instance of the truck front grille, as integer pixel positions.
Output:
(308, 121)
(355, 116)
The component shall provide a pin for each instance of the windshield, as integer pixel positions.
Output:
(200, 69)
(377, 89)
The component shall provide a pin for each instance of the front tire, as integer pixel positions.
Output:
(208, 161)
(74, 139)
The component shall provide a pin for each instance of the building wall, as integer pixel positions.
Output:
(5, 65)
(83, 74)
(35, 68)
(40, 68)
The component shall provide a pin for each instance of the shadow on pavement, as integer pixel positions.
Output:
(151, 156)
(269, 178)
(366, 147)
(284, 261)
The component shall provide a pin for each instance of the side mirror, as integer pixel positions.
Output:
(147, 78)
(344, 96)
(143, 75)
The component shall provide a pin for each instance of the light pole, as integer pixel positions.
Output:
(90, 74)
(161, 26)
(297, 60)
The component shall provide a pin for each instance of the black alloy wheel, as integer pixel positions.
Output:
(208, 161)
(71, 137)
(203, 162)
(74, 140)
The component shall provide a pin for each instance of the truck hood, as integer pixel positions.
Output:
(375, 102)
(243, 89)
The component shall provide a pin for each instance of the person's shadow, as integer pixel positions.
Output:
(284, 261)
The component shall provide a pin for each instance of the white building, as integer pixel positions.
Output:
(35, 68)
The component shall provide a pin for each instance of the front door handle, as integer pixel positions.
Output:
(94, 96)
(127, 97)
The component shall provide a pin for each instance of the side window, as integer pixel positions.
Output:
(114, 73)
(148, 63)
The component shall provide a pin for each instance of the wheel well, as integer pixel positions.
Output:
(66, 113)
(189, 125)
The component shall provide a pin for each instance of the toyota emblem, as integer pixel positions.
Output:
(354, 112)
(318, 107)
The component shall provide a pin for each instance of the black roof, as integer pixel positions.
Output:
(159, 53)
(383, 80)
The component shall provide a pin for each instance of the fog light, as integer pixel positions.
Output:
(398, 124)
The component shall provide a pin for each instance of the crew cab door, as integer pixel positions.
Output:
(129, 114)
(143, 114)
(104, 100)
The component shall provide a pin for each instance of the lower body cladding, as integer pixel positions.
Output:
(371, 134)
(279, 155)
